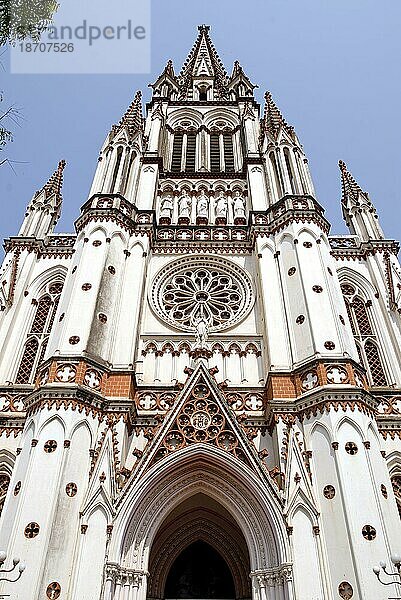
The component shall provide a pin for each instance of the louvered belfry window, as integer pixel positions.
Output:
(38, 335)
(365, 336)
(191, 152)
(228, 152)
(177, 152)
(215, 164)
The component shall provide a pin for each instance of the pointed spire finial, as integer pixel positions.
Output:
(203, 53)
(273, 119)
(350, 188)
(55, 183)
(133, 117)
(169, 67)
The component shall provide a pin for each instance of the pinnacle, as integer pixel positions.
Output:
(55, 183)
(348, 184)
(133, 118)
(273, 119)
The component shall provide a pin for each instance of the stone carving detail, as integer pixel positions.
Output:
(389, 405)
(31, 530)
(345, 590)
(190, 290)
(329, 492)
(166, 210)
(50, 446)
(155, 401)
(125, 577)
(369, 532)
(11, 403)
(309, 380)
(221, 209)
(53, 591)
(202, 209)
(336, 374)
(71, 489)
(351, 448)
(239, 209)
(92, 379)
(184, 208)
(200, 421)
(66, 373)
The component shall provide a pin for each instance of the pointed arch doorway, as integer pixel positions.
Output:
(199, 553)
(199, 572)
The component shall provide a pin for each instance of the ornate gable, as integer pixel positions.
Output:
(201, 415)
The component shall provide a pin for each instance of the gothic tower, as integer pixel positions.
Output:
(200, 388)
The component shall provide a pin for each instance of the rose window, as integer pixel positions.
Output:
(192, 290)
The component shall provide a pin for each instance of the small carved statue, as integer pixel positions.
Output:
(221, 206)
(239, 205)
(184, 205)
(202, 206)
(202, 332)
(166, 208)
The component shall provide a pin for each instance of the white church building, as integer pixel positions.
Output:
(200, 388)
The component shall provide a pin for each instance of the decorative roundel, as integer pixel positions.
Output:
(53, 590)
(190, 290)
(329, 492)
(31, 530)
(345, 590)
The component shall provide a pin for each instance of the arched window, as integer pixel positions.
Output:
(396, 483)
(116, 169)
(301, 173)
(190, 157)
(127, 171)
(290, 172)
(177, 152)
(203, 93)
(374, 362)
(365, 336)
(4, 483)
(38, 335)
(276, 174)
(228, 152)
(215, 163)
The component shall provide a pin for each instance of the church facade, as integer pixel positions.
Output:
(200, 389)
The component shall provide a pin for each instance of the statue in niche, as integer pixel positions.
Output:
(184, 208)
(239, 208)
(202, 209)
(202, 333)
(221, 209)
(166, 209)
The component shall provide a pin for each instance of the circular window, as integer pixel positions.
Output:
(193, 289)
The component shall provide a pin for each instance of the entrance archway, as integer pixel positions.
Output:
(199, 493)
(199, 572)
(199, 551)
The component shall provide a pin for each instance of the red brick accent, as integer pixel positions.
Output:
(52, 371)
(118, 385)
(280, 386)
(81, 369)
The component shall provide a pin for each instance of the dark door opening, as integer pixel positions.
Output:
(199, 572)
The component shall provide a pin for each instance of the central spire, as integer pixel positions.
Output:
(204, 65)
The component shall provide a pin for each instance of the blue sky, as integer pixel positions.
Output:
(333, 68)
